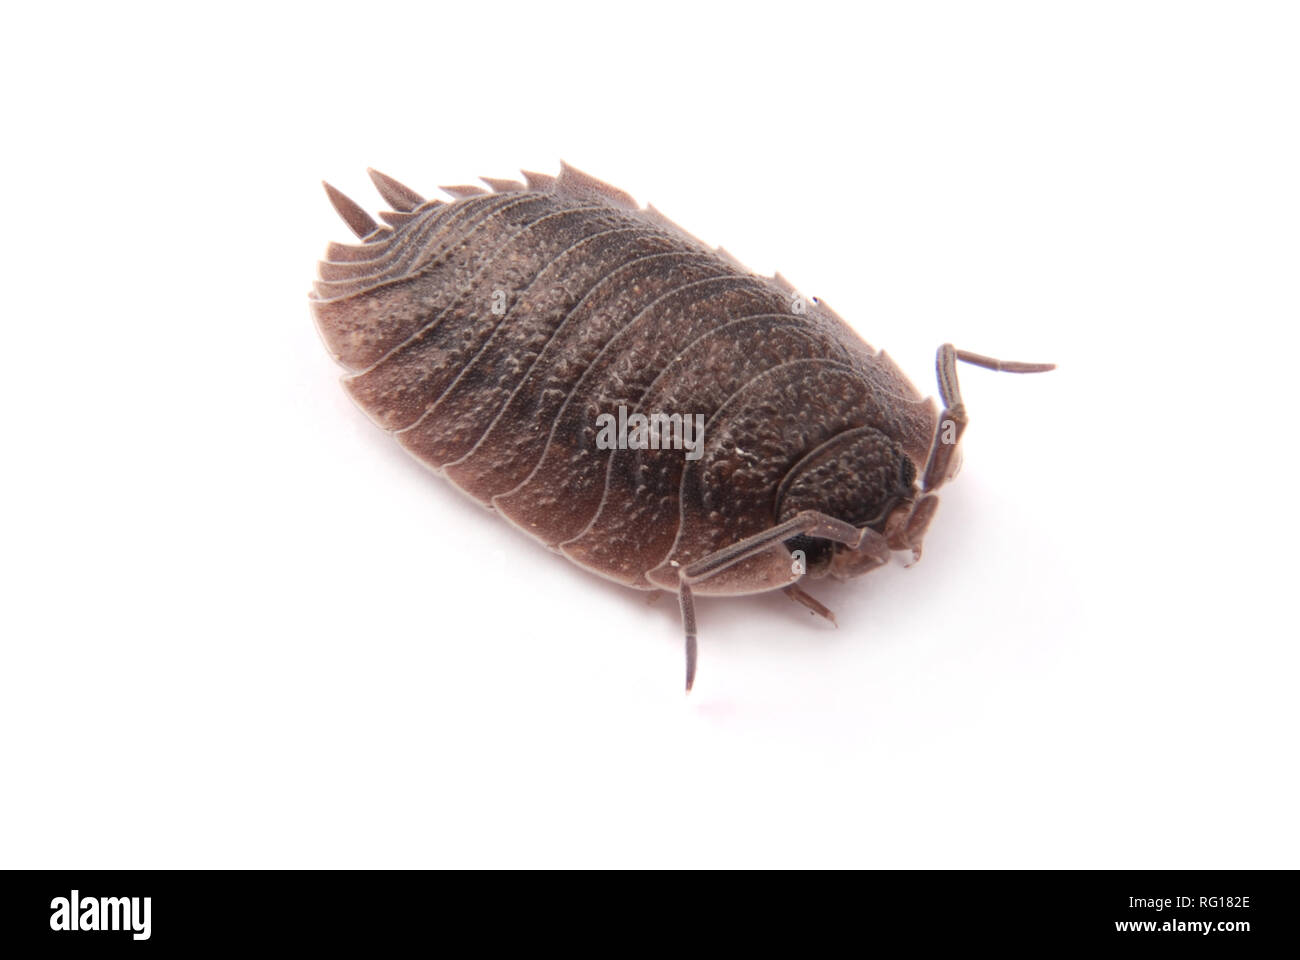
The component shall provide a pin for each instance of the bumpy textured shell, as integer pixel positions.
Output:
(605, 304)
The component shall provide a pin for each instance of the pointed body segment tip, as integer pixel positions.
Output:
(358, 221)
(463, 191)
(397, 195)
(499, 185)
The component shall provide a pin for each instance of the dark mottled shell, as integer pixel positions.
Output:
(607, 304)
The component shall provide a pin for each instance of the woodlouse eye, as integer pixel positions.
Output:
(817, 553)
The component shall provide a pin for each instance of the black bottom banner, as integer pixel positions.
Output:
(369, 910)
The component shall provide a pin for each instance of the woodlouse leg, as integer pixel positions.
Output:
(808, 522)
(688, 624)
(918, 521)
(798, 594)
(953, 420)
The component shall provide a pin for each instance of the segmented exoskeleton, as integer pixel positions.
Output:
(491, 333)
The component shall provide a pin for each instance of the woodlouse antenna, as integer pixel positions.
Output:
(1002, 366)
(953, 420)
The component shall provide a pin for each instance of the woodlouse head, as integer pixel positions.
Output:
(861, 477)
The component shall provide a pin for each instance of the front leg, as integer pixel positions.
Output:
(809, 522)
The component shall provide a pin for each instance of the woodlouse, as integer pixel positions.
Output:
(490, 334)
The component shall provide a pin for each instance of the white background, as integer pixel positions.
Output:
(241, 627)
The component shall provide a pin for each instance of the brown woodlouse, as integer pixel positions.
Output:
(489, 334)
